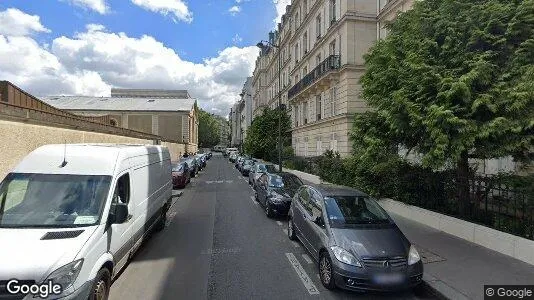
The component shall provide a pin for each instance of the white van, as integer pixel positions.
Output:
(72, 215)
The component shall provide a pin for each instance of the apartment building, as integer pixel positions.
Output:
(321, 44)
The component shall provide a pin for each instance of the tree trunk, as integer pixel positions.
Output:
(462, 182)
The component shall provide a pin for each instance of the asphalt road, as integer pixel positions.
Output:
(218, 244)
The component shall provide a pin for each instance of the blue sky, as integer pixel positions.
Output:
(213, 28)
(56, 47)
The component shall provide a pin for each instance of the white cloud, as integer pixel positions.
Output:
(17, 23)
(99, 6)
(91, 62)
(178, 8)
(280, 6)
(234, 10)
(237, 39)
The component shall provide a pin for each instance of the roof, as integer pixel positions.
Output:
(150, 93)
(82, 159)
(337, 190)
(119, 104)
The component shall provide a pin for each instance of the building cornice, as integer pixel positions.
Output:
(391, 5)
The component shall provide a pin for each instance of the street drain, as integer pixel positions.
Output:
(427, 256)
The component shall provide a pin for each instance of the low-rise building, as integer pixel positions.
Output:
(172, 118)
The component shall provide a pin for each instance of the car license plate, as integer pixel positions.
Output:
(388, 278)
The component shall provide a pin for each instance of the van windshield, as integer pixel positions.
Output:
(52, 200)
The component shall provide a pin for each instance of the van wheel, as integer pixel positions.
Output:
(100, 289)
(161, 223)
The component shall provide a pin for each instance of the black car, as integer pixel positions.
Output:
(192, 165)
(275, 192)
(246, 166)
(358, 246)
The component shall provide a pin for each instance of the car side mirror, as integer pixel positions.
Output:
(317, 217)
(119, 213)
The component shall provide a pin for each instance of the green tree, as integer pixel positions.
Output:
(208, 129)
(262, 136)
(453, 80)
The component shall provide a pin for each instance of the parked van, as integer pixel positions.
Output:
(228, 151)
(72, 215)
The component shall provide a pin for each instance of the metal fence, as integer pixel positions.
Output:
(490, 202)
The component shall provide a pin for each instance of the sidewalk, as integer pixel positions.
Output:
(460, 269)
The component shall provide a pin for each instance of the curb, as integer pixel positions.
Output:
(440, 289)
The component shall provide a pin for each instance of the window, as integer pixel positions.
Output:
(318, 59)
(319, 146)
(296, 115)
(332, 48)
(318, 26)
(297, 21)
(305, 42)
(305, 6)
(304, 199)
(122, 190)
(316, 200)
(332, 11)
(318, 107)
(305, 112)
(297, 53)
(71, 200)
(333, 101)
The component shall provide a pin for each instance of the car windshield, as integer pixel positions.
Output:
(284, 181)
(177, 167)
(46, 200)
(249, 162)
(345, 210)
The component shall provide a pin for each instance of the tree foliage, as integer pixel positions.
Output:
(208, 129)
(454, 79)
(262, 136)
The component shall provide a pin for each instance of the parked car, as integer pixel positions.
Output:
(233, 157)
(191, 164)
(246, 166)
(202, 161)
(181, 175)
(358, 246)
(275, 192)
(257, 171)
(228, 151)
(238, 162)
(85, 213)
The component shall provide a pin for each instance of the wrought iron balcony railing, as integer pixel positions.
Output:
(332, 62)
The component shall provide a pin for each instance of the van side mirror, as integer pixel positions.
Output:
(118, 213)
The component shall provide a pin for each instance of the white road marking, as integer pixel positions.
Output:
(295, 244)
(279, 223)
(285, 230)
(229, 181)
(307, 258)
(318, 276)
(308, 283)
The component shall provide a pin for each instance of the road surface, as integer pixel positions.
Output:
(218, 244)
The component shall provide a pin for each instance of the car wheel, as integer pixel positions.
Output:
(268, 210)
(100, 289)
(325, 271)
(291, 230)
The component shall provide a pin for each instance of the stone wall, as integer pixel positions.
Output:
(20, 138)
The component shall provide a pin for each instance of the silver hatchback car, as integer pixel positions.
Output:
(357, 245)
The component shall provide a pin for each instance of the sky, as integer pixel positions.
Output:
(86, 47)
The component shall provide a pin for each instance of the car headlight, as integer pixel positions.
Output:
(66, 275)
(345, 257)
(413, 256)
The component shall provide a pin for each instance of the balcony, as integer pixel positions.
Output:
(332, 62)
